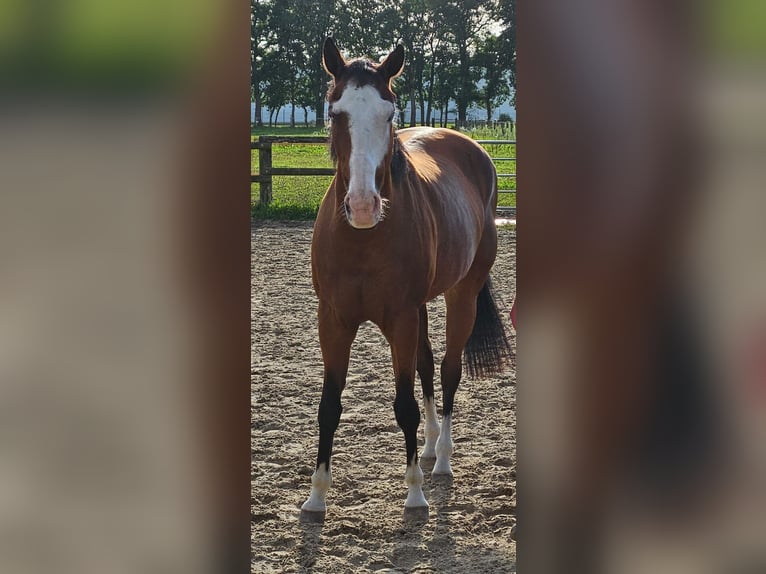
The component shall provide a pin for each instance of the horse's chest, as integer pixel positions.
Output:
(363, 295)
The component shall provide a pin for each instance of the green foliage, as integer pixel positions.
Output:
(497, 87)
(445, 43)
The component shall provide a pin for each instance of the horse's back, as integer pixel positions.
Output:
(440, 154)
(457, 179)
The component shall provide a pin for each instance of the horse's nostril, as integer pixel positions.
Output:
(377, 203)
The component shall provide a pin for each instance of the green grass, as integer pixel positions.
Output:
(286, 131)
(298, 197)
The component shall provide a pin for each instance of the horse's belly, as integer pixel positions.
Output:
(449, 273)
(454, 258)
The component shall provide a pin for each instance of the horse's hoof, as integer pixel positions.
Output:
(441, 468)
(313, 516)
(416, 513)
(427, 464)
(442, 476)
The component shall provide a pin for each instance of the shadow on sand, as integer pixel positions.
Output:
(431, 540)
(308, 550)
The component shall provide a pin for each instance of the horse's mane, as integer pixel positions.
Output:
(362, 70)
(399, 162)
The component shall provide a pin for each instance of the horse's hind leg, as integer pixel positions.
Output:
(461, 314)
(426, 372)
(335, 338)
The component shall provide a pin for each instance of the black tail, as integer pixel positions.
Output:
(487, 351)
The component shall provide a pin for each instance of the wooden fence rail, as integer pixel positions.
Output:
(266, 171)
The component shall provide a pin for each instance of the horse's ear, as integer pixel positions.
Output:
(393, 65)
(332, 60)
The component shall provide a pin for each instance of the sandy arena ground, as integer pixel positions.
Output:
(469, 529)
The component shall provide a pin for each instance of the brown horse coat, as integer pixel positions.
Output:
(408, 216)
(438, 224)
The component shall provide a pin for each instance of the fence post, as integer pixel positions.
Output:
(264, 169)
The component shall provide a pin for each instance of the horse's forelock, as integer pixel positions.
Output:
(362, 72)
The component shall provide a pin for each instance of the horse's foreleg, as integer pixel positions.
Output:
(402, 334)
(425, 368)
(335, 339)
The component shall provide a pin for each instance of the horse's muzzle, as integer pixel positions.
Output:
(363, 210)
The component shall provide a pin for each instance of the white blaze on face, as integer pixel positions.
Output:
(368, 123)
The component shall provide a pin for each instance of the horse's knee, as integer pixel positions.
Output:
(407, 411)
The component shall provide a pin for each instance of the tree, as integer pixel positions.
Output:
(305, 96)
(446, 77)
(285, 15)
(507, 39)
(317, 18)
(464, 21)
(275, 93)
(259, 16)
(496, 87)
(449, 45)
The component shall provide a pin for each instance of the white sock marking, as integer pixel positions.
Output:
(431, 430)
(444, 448)
(320, 484)
(413, 478)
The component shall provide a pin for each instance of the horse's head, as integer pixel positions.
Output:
(362, 108)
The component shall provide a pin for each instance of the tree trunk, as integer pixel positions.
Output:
(430, 96)
(292, 115)
(319, 110)
(465, 86)
(431, 78)
(305, 116)
(318, 99)
(462, 113)
(421, 90)
(413, 105)
(317, 83)
(489, 110)
(258, 110)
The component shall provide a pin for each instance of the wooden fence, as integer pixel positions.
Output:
(266, 172)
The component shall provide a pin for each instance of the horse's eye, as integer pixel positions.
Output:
(331, 114)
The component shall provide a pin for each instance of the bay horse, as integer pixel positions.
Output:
(409, 215)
